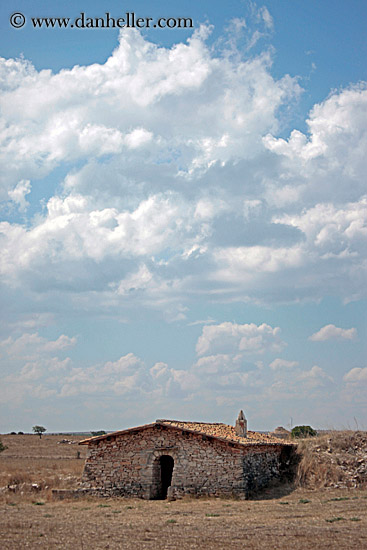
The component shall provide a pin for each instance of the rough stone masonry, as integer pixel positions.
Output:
(171, 459)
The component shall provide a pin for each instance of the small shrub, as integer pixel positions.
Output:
(2, 446)
(171, 521)
(304, 501)
(302, 432)
(332, 520)
(212, 515)
(355, 519)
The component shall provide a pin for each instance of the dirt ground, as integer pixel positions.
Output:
(278, 518)
(302, 519)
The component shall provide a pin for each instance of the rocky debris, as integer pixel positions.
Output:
(19, 486)
(337, 459)
(67, 442)
(23, 488)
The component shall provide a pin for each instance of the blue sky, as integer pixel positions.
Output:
(183, 216)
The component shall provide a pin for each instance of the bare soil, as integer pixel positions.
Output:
(281, 517)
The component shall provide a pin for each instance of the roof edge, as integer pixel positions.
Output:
(113, 434)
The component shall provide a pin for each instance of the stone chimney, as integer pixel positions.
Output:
(241, 425)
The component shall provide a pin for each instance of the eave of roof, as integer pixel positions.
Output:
(114, 434)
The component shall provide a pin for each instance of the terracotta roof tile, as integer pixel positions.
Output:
(222, 431)
(217, 430)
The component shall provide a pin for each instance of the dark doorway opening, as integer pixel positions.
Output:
(166, 464)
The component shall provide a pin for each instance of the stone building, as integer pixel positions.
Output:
(281, 433)
(173, 458)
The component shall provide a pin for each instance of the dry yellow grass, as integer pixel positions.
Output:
(32, 465)
(299, 520)
(338, 458)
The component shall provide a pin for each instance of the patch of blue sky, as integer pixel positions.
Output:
(41, 190)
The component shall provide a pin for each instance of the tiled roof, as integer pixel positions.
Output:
(222, 431)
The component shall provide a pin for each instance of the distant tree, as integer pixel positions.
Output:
(20, 433)
(13, 433)
(39, 430)
(303, 431)
(2, 446)
(100, 432)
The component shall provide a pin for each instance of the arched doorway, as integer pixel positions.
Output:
(166, 464)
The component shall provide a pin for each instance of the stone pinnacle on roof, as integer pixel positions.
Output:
(241, 425)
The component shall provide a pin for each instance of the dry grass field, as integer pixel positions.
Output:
(286, 517)
(45, 462)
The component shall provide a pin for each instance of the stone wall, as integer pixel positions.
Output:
(128, 464)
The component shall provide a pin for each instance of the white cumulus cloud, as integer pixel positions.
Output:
(19, 193)
(356, 375)
(280, 363)
(247, 338)
(331, 332)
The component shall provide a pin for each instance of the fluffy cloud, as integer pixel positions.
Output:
(72, 232)
(330, 160)
(356, 375)
(248, 338)
(138, 83)
(32, 345)
(19, 193)
(125, 376)
(331, 332)
(31, 366)
(315, 377)
(294, 384)
(282, 363)
(40, 371)
(185, 189)
(337, 123)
